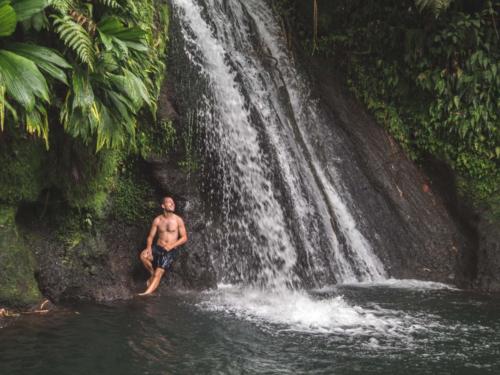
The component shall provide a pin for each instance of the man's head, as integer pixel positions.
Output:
(168, 204)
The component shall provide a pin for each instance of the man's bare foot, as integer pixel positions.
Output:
(144, 294)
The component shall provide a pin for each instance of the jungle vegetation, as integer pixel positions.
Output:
(428, 70)
(79, 83)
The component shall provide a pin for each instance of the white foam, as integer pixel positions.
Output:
(298, 311)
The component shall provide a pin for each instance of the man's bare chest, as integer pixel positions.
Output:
(168, 225)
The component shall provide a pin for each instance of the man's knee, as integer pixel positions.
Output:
(144, 256)
(159, 272)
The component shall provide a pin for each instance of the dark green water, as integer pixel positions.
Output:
(345, 330)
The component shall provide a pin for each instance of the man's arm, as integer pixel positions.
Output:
(152, 234)
(182, 235)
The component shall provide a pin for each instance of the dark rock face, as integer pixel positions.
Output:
(406, 220)
(105, 266)
(193, 268)
(488, 256)
(99, 268)
(17, 283)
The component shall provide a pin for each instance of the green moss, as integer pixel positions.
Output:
(189, 136)
(82, 177)
(133, 200)
(156, 139)
(7, 216)
(22, 177)
(17, 266)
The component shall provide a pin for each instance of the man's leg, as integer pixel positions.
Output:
(155, 282)
(147, 260)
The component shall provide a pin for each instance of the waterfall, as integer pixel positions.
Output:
(285, 218)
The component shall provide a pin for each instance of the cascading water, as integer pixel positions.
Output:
(285, 217)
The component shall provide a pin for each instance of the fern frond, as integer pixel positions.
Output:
(109, 3)
(75, 37)
(62, 6)
(435, 6)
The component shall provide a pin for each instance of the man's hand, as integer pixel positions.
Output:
(149, 252)
(169, 247)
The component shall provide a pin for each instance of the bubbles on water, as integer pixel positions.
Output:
(298, 311)
(347, 318)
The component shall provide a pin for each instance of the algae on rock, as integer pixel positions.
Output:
(18, 285)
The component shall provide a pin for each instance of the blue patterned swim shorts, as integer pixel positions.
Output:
(163, 258)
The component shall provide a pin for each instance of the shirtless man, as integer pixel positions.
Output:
(158, 258)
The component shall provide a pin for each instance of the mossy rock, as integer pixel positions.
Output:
(22, 176)
(18, 286)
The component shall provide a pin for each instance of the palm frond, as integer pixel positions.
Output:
(75, 37)
(77, 114)
(27, 8)
(48, 60)
(8, 20)
(115, 131)
(12, 111)
(132, 88)
(37, 123)
(112, 29)
(2, 103)
(23, 81)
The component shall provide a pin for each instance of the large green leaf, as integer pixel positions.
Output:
(46, 59)
(138, 86)
(37, 123)
(132, 88)
(110, 25)
(132, 37)
(27, 8)
(8, 19)
(132, 34)
(2, 103)
(23, 81)
(83, 94)
(43, 53)
(125, 107)
(80, 115)
(111, 130)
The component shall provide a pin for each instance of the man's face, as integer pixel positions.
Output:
(168, 205)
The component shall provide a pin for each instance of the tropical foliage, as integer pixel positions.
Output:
(435, 6)
(79, 83)
(24, 91)
(102, 71)
(429, 70)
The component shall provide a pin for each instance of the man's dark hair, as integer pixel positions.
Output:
(167, 196)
